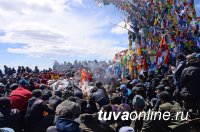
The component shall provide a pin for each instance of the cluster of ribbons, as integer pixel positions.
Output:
(159, 29)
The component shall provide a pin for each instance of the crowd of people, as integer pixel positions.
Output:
(52, 101)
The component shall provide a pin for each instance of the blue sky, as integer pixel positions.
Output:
(34, 32)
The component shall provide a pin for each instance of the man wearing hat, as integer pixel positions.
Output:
(167, 105)
(160, 88)
(126, 93)
(138, 104)
(190, 80)
(134, 82)
(99, 96)
(14, 86)
(140, 89)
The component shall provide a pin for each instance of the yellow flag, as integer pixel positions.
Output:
(175, 20)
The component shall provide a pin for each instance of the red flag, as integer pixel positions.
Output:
(167, 58)
(163, 43)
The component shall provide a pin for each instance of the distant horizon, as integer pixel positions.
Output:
(32, 67)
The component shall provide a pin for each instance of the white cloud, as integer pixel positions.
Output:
(118, 29)
(51, 28)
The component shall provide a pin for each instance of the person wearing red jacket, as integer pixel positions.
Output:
(20, 96)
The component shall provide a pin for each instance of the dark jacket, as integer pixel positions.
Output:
(64, 125)
(190, 80)
(177, 73)
(38, 113)
(9, 118)
(100, 97)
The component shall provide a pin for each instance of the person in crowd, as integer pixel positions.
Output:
(99, 95)
(138, 104)
(150, 92)
(127, 94)
(36, 70)
(134, 82)
(142, 91)
(8, 117)
(156, 101)
(174, 123)
(90, 122)
(113, 85)
(54, 101)
(71, 105)
(37, 112)
(118, 106)
(128, 81)
(20, 96)
(190, 79)
(64, 122)
(1, 73)
(2, 89)
(181, 63)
